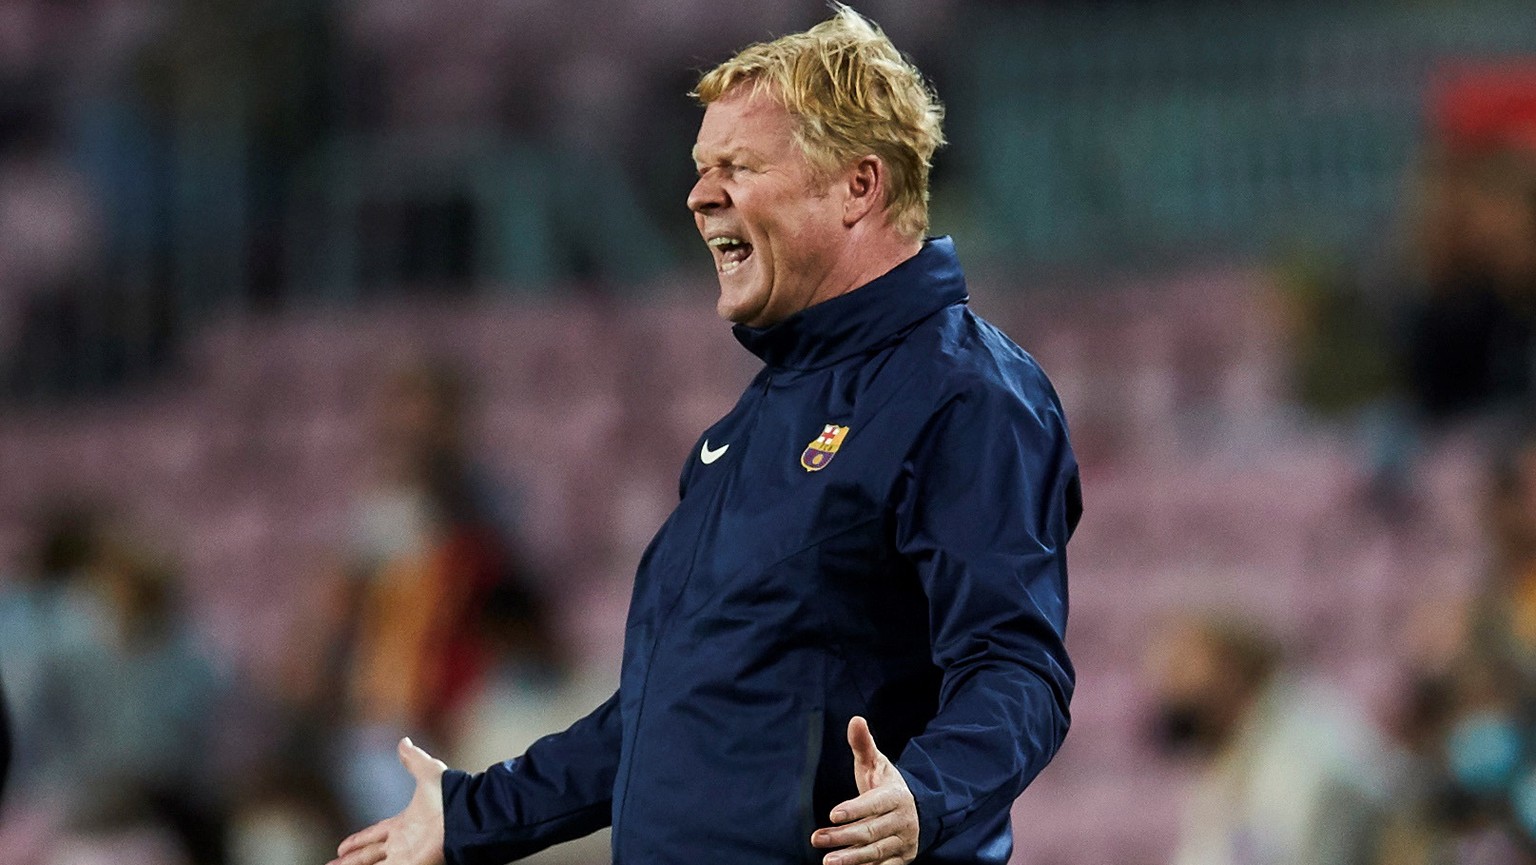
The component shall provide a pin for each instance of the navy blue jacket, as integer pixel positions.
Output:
(880, 529)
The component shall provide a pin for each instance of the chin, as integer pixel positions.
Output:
(730, 313)
(738, 311)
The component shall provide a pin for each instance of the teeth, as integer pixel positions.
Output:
(733, 251)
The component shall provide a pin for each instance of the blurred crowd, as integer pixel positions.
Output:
(137, 742)
(167, 161)
(161, 158)
(1292, 768)
(1439, 342)
(164, 159)
(1437, 330)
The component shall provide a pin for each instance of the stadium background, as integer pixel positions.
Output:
(226, 226)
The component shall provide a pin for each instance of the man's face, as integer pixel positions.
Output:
(774, 227)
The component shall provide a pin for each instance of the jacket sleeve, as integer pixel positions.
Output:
(989, 496)
(561, 789)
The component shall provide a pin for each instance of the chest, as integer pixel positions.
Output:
(786, 499)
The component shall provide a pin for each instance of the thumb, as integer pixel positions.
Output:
(865, 755)
(423, 766)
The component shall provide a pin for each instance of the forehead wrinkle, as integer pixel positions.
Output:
(725, 154)
(710, 152)
(728, 141)
(699, 158)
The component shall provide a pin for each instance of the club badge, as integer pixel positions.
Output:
(823, 448)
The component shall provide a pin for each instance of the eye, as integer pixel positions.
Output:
(729, 169)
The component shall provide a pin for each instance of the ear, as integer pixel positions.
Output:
(866, 189)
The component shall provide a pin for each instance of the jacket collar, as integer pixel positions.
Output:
(864, 318)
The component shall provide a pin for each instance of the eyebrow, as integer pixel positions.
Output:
(734, 154)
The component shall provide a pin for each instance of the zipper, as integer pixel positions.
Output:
(662, 620)
(815, 733)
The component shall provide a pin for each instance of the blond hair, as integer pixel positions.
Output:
(852, 94)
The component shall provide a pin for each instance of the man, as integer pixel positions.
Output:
(869, 546)
(1290, 772)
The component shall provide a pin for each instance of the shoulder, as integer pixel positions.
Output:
(968, 362)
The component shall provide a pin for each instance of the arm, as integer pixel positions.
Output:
(984, 514)
(562, 788)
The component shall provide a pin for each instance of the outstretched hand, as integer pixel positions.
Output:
(880, 824)
(415, 835)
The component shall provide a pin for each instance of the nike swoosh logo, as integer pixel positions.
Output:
(708, 456)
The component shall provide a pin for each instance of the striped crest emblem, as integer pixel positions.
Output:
(823, 447)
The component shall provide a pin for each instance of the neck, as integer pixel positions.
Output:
(865, 259)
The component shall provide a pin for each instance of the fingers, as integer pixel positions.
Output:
(863, 832)
(421, 765)
(885, 849)
(372, 854)
(877, 826)
(366, 856)
(881, 800)
(865, 754)
(375, 834)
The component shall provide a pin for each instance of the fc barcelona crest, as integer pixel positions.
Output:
(823, 448)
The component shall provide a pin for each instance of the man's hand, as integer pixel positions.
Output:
(415, 835)
(880, 824)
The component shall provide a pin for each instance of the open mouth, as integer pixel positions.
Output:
(731, 252)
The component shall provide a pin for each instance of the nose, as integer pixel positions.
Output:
(708, 194)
